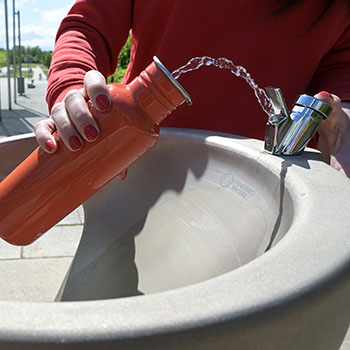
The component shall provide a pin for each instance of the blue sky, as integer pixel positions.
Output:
(39, 21)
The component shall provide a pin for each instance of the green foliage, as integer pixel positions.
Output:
(123, 61)
(31, 57)
(28, 54)
(25, 73)
(118, 76)
(124, 56)
(2, 58)
(34, 55)
(47, 59)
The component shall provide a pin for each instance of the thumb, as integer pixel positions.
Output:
(333, 100)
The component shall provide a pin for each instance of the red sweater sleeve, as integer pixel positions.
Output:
(333, 72)
(89, 37)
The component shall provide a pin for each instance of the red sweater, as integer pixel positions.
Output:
(284, 50)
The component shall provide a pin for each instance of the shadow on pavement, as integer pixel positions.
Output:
(18, 121)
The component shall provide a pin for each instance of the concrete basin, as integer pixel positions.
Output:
(209, 243)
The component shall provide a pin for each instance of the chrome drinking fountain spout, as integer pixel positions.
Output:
(289, 133)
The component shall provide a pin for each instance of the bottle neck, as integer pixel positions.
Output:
(156, 93)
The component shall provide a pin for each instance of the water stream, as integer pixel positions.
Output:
(239, 71)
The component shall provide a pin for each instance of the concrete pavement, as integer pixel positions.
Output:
(34, 273)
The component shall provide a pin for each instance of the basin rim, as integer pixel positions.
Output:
(254, 287)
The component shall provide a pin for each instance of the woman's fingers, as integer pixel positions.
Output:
(330, 127)
(96, 89)
(79, 115)
(333, 100)
(66, 129)
(72, 117)
(334, 134)
(43, 131)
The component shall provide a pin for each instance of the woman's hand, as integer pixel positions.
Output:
(334, 134)
(72, 118)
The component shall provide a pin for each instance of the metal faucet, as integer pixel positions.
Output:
(289, 133)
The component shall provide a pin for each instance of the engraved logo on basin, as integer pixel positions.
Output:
(228, 180)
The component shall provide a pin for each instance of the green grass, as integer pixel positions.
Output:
(45, 70)
(25, 74)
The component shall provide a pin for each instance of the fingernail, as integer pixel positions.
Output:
(102, 102)
(122, 175)
(325, 93)
(74, 142)
(90, 132)
(49, 145)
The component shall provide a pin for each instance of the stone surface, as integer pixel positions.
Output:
(32, 279)
(60, 241)
(9, 251)
(346, 343)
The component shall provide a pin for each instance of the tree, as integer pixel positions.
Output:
(123, 61)
(2, 58)
(124, 56)
(28, 54)
(47, 59)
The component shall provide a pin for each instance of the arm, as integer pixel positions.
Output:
(90, 37)
(334, 134)
(88, 42)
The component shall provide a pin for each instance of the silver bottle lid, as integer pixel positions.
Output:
(173, 80)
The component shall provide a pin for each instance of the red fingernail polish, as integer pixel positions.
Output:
(90, 132)
(327, 94)
(122, 175)
(102, 102)
(49, 145)
(74, 142)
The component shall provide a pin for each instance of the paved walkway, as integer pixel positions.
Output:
(35, 272)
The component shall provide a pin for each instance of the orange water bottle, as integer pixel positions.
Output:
(44, 188)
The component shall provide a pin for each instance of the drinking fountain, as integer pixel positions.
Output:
(289, 133)
(211, 243)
